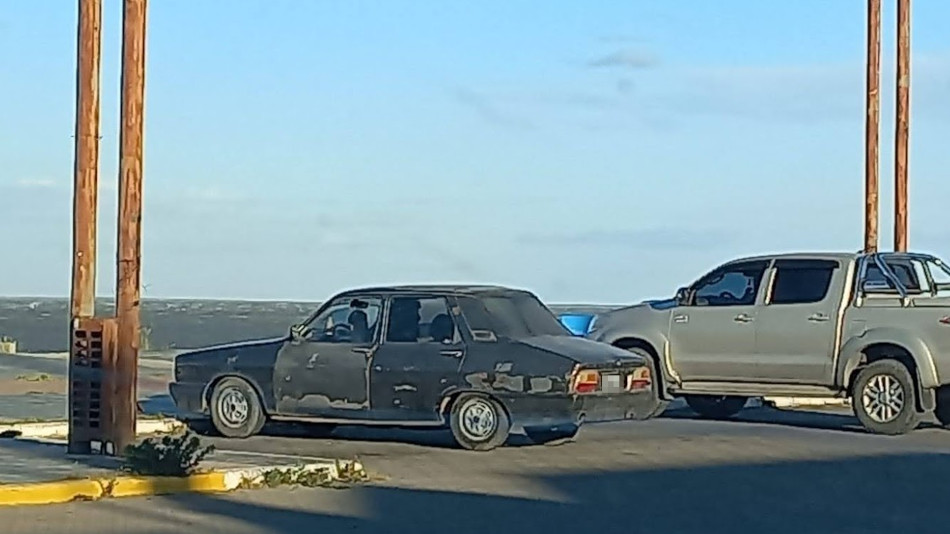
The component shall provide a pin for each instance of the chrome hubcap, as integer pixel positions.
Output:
(233, 407)
(883, 398)
(478, 420)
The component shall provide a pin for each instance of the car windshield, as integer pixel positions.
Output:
(521, 316)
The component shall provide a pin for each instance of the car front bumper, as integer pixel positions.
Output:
(188, 398)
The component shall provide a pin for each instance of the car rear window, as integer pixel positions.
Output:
(513, 316)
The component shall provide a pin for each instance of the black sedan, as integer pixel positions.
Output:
(476, 359)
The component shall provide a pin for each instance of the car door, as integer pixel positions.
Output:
(797, 325)
(712, 336)
(322, 373)
(418, 360)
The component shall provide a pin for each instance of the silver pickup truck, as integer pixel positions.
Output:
(874, 328)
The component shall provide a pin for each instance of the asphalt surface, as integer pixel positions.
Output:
(766, 472)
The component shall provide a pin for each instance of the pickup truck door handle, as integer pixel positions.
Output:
(451, 353)
(742, 318)
(681, 318)
(818, 318)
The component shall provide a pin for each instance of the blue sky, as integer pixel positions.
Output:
(596, 151)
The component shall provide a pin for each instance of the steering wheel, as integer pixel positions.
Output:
(341, 329)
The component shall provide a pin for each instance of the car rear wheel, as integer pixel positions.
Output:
(716, 406)
(885, 398)
(478, 422)
(654, 405)
(236, 410)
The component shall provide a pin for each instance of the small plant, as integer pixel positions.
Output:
(347, 474)
(174, 456)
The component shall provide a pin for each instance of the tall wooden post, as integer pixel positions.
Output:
(902, 126)
(129, 239)
(85, 171)
(872, 127)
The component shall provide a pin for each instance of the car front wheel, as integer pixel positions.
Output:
(236, 410)
(478, 422)
(885, 399)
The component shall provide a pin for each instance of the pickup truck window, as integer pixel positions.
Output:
(904, 271)
(731, 285)
(801, 281)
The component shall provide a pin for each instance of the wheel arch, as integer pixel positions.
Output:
(888, 350)
(632, 342)
(450, 396)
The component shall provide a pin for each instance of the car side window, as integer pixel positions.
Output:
(735, 285)
(421, 320)
(801, 281)
(347, 320)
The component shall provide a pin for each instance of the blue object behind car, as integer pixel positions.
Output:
(578, 323)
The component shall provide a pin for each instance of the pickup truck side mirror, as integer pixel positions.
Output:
(682, 296)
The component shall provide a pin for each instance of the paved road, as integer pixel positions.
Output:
(773, 472)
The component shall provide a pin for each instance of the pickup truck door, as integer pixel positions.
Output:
(712, 337)
(797, 326)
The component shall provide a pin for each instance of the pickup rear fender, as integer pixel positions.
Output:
(852, 352)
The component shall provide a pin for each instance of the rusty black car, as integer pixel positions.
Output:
(479, 360)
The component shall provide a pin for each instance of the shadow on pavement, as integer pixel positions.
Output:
(838, 420)
(901, 493)
(440, 438)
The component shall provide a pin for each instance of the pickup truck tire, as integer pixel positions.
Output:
(716, 407)
(942, 412)
(885, 398)
(654, 404)
(478, 422)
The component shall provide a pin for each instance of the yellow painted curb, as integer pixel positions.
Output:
(93, 489)
(50, 492)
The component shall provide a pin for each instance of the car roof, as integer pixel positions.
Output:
(443, 289)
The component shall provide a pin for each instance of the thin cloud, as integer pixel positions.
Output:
(487, 109)
(658, 238)
(37, 183)
(624, 59)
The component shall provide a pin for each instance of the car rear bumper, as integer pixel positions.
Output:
(543, 410)
(188, 398)
(612, 407)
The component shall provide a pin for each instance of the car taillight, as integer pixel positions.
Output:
(640, 379)
(586, 382)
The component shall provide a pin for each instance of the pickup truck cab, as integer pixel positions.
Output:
(874, 328)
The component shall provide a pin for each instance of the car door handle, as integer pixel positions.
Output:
(681, 318)
(451, 353)
(742, 318)
(819, 318)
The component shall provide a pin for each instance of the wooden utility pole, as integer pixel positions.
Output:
(902, 125)
(872, 127)
(129, 239)
(85, 168)
(86, 159)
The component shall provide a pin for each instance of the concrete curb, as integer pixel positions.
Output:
(137, 486)
(49, 429)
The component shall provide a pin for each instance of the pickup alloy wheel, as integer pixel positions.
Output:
(478, 422)
(884, 398)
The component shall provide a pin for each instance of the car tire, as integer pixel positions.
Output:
(885, 398)
(478, 422)
(654, 405)
(552, 436)
(236, 410)
(716, 407)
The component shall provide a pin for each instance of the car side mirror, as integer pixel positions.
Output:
(299, 332)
